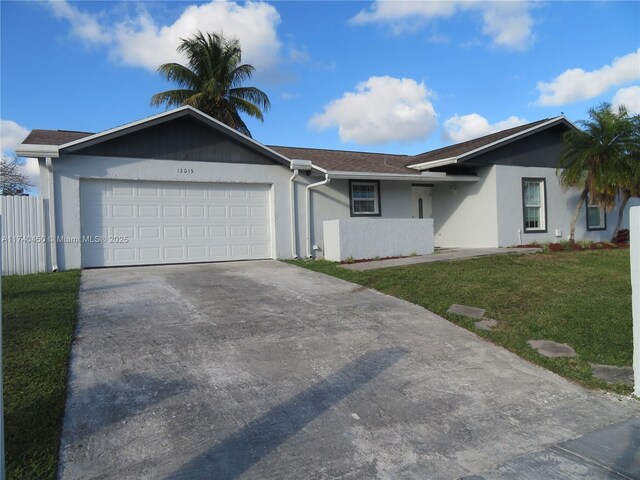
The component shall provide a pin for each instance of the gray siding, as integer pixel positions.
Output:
(541, 149)
(184, 138)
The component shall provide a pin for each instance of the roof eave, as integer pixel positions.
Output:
(434, 163)
(437, 177)
(38, 151)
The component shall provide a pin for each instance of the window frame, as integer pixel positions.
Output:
(603, 215)
(543, 206)
(376, 199)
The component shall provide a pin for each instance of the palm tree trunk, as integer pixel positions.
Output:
(572, 230)
(623, 205)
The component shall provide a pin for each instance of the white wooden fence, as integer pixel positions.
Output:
(24, 236)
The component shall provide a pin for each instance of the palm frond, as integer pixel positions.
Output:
(179, 74)
(253, 95)
(247, 107)
(171, 98)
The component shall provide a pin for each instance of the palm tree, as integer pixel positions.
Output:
(629, 172)
(212, 81)
(593, 156)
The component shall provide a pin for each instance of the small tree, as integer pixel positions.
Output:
(593, 157)
(13, 180)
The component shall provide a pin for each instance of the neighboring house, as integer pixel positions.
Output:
(182, 187)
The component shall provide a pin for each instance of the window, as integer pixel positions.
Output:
(365, 198)
(534, 196)
(596, 218)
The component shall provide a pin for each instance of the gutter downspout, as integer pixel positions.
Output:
(292, 206)
(52, 217)
(308, 199)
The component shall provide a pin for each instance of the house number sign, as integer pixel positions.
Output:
(186, 170)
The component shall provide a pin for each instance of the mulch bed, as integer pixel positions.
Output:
(559, 247)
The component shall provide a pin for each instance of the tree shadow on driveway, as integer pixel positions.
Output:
(241, 450)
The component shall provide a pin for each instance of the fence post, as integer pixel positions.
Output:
(634, 230)
(2, 472)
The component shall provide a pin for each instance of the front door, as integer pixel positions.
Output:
(421, 200)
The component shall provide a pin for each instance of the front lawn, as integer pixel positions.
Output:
(38, 319)
(580, 298)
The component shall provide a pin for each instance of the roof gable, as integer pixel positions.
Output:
(466, 150)
(542, 148)
(181, 138)
(214, 125)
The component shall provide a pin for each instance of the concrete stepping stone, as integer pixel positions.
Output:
(552, 349)
(463, 310)
(612, 374)
(486, 324)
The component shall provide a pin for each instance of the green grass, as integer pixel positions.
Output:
(38, 317)
(580, 298)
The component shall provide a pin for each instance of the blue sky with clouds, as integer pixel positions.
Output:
(400, 77)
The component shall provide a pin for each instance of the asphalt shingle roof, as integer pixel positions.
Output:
(336, 160)
(347, 161)
(53, 137)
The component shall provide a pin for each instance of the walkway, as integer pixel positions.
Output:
(444, 255)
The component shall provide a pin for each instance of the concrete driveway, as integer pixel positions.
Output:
(262, 370)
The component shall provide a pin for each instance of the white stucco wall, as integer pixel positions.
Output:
(70, 169)
(361, 238)
(561, 205)
(633, 202)
(466, 217)
(331, 202)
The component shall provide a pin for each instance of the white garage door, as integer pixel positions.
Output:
(141, 223)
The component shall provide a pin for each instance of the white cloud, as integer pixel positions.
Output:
(575, 84)
(11, 135)
(288, 95)
(404, 16)
(32, 171)
(466, 127)
(143, 42)
(508, 24)
(83, 25)
(382, 109)
(628, 97)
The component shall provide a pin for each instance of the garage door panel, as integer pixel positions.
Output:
(122, 191)
(171, 192)
(122, 211)
(150, 254)
(218, 212)
(218, 251)
(148, 211)
(218, 231)
(258, 250)
(171, 211)
(174, 222)
(147, 232)
(196, 231)
(124, 254)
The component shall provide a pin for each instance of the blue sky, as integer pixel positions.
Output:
(399, 77)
